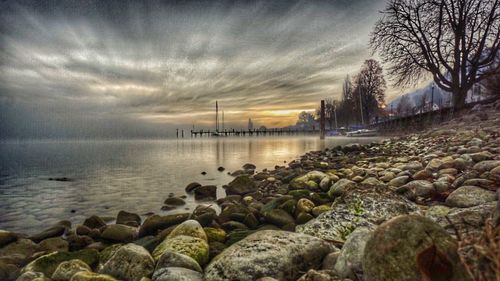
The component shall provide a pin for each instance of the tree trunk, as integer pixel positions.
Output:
(459, 96)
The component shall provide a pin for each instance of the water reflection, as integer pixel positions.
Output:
(133, 175)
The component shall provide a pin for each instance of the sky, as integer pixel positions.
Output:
(143, 68)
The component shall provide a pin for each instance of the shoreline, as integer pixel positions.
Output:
(330, 211)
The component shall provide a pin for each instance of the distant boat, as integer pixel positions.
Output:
(362, 133)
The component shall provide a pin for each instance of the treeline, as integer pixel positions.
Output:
(362, 100)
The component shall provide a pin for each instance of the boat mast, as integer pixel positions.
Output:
(216, 116)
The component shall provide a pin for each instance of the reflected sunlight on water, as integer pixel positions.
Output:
(134, 175)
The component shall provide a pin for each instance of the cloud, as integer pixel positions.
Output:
(162, 64)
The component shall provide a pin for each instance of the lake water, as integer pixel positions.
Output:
(133, 175)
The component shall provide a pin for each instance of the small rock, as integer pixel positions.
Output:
(469, 196)
(192, 186)
(124, 217)
(119, 233)
(205, 192)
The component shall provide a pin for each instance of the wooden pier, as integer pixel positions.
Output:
(255, 132)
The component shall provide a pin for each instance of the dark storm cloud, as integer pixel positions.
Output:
(144, 66)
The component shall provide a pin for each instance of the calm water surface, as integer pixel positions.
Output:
(133, 175)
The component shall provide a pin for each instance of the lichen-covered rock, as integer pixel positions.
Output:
(487, 165)
(349, 262)
(469, 196)
(193, 247)
(91, 276)
(47, 264)
(189, 228)
(466, 221)
(359, 207)
(399, 181)
(408, 248)
(67, 269)
(305, 205)
(311, 179)
(278, 254)
(177, 274)
(32, 276)
(421, 188)
(173, 259)
(130, 262)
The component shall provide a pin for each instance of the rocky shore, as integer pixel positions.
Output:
(417, 207)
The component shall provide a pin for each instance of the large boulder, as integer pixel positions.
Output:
(155, 223)
(129, 263)
(409, 248)
(272, 253)
(349, 262)
(359, 207)
(47, 264)
(469, 196)
(241, 185)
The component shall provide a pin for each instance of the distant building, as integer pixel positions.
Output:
(250, 124)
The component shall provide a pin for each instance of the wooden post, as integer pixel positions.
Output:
(322, 121)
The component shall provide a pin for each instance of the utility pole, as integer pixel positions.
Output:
(432, 97)
(335, 114)
(361, 108)
(322, 120)
(223, 120)
(216, 116)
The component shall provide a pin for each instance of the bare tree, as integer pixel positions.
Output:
(456, 41)
(370, 87)
(404, 105)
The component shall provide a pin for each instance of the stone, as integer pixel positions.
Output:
(341, 187)
(320, 275)
(305, 205)
(205, 192)
(349, 262)
(22, 249)
(154, 223)
(148, 242)
(388, 176)
(108, 252)
(434, 164)
(466, 221)
(330, 260)
(279, 217)
(421, 188)
(372, 181)
(316, 211)
(8, 271)
(7, 237)
(215, 234)
(325, 183)
(241, 185)
(47, 264)
(32, 276)
(278, 254)
(177, 274)
(311, 180)
(189, 228)
(119, 233)
(487, 165)
(422, 175)
(204, 214)
(193, 247)
(192, 186)
(215, 248)
(124, 217)
(481, 156)
(91, 276)
(174, 201)
(56, 230)
(399, 181)
(468, 196)
(54, 244)
(67, 269)
(359, 207)
(303, 218)
(394, 249)
(173, 259)
(130, 262)
(94, 222)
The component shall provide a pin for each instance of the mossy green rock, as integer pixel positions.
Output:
(193, 247)
(393, 251)
(299, 193)
(279, 217)
(189, 228)
(215, 234)
(67, 269)
(316, 211)
(47, 264)
(274, 203)
(108, 252)
(289, 206)
(237, 235)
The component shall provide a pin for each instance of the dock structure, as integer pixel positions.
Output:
(254, 132)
